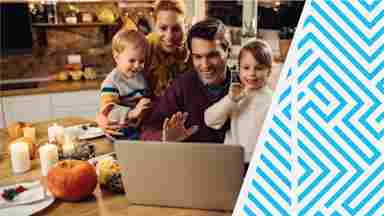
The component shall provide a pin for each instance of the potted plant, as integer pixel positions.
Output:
(285, 36)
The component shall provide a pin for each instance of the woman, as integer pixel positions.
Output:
(167, 56)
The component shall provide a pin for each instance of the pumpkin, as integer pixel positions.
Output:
(76, 74)
(62, 75)
(72, 180)
(89, 73)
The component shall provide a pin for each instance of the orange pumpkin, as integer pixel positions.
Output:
(72, 180)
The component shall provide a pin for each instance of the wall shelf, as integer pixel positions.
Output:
(64, 1)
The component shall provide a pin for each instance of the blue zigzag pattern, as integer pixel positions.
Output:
(369, 7)
(369, 58)
(323, 117)
(307, 121)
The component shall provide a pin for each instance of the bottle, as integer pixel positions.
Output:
(51, 12)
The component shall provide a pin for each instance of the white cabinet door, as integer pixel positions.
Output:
(75, 104)
(27, 108)
(44, 107)
(2, 120)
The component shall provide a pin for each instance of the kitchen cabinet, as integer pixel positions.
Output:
(80, 104)
(27, 108)
(43, 107)
(88, 112)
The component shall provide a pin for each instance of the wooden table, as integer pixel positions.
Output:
(103, 202)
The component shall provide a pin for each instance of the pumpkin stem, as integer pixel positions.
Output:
(67, 163)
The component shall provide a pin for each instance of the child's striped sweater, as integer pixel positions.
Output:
(123, 92)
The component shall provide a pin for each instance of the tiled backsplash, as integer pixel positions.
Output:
(35, 65)
(50, 62)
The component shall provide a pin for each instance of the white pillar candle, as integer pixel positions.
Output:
(30, 132)
(20, 157)
(48, 157)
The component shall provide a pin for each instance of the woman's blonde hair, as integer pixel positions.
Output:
(260, 50)
(124, 37)
(169, 5)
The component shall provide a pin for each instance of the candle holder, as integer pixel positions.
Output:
(80, 152)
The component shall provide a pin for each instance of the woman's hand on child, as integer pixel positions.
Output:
(143, 105)
(174, 128)
(236, 92)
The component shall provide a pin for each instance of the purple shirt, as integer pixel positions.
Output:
(186, 94)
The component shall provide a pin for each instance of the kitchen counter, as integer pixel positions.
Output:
(54, 86)
(102, 203)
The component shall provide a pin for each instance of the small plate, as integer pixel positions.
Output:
(91, 132)
(85, 131)
(27, 209)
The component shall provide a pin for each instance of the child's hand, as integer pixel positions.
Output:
(143, 105)
(236, 92)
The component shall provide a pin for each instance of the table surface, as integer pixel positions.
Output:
(103, 202)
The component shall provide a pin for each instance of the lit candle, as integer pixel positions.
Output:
(30, 132)
(60, 135)
(20, 157)
(48, 157)
(52, 133)
(56, 133)
(68, 149)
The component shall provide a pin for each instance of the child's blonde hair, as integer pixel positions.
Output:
(124, 37)
(260, 50)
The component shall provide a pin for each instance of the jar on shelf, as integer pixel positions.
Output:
(51, 9)
(86, 17)
(71, 18)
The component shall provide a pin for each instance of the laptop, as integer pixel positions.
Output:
(187, 175)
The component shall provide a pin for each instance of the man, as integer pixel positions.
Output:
(184, 102)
